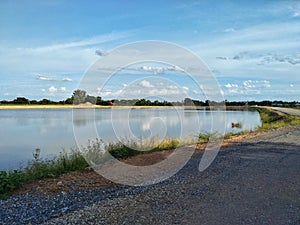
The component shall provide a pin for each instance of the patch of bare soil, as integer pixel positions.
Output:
(77, 180)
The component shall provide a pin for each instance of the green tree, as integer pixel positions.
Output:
(188, 102)
(21, 101)
(45, 102)
(98, 100)
(91, 99)
(79, 96)
(69, 101)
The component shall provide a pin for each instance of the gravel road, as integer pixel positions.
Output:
(294, 112)
(255, 181)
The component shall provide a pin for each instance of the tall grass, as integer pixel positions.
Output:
(97, 152)
(40, 168)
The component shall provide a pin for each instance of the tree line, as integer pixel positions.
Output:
(81, 97)
(78, 97)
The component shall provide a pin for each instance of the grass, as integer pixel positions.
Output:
(39, 169)
(97, 152)
(206, 137)
(273, 120)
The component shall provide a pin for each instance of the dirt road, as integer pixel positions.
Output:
(294, 112)
(254, 182)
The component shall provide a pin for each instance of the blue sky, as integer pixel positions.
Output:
(252, 47)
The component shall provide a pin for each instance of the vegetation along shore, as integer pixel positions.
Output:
(74, 160)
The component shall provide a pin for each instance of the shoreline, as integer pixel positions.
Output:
(247, 167)
(91, 106)
(147, 159)
(89, 179)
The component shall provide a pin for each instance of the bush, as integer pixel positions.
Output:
(10, 181)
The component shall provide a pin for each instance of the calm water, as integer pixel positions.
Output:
(51, 130)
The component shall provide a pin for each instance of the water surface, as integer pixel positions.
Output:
(51, 130)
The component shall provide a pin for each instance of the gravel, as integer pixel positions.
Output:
(253, 182)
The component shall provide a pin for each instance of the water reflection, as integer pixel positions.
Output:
(52, 129)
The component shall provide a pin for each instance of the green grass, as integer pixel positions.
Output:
(206, 137)
(95, 152)
(39, 169)
(272, 120)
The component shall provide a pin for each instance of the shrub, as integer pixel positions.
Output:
(10, 181)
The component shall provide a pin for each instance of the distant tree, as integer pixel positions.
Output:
(46, 102)
(21, 101)
(5, 102)
(79, 96)
(188, 102)
(98, 100)
(33, 102)
(106, 103)
(69, 101)
(91, 99)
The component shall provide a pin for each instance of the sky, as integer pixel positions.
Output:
(251, 47)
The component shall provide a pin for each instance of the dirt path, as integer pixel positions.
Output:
(294, 112)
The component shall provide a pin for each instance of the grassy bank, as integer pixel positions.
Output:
(96, 150)
(74, 160)
(272, 120)
(39, 169)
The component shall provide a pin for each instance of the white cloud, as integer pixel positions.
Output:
(146, 84)
(256, 84)
(155, 70)
(231, 85)
(295, 9)
(249, 84)
(267, 50)
(291, 85)
(159, 69)
(247, 88)
(47, 78)
(100, 39)
(41, 77)
(228, 30)
(72, 56)
(266, 83)
(63, 89)
(52, 89)
(143, 88)
(292, 59)
(296, 14)
(170, 90)
(262, 59)
(67, 79)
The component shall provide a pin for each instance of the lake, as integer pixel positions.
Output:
(52, 130)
